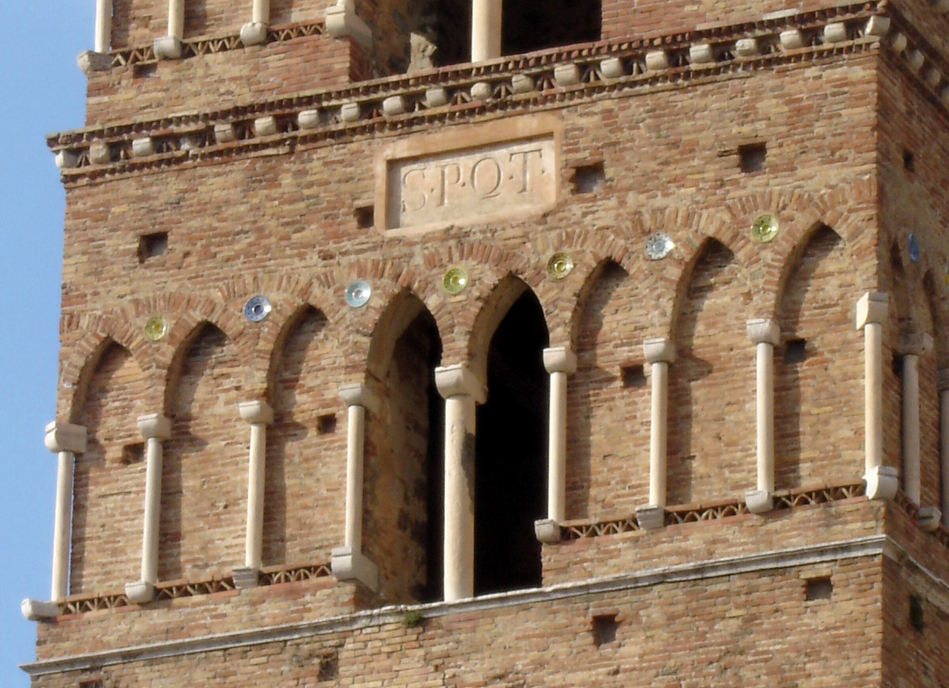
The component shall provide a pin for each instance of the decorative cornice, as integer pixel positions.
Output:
(173, 590)
(808, 555)
(145, 54)
(512, 84)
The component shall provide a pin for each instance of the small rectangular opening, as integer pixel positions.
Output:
(909, 161)
(587, 178)
(897, 365)
(329, 666)
(795, 351)
(365, 216)
(151, 245)
(916, 612)
(752, 156)
(633, 376)
(133, 453)
(821, 588)
(326, 424)
(604, 629)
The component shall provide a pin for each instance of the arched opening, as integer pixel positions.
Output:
(403, 499)
(530, 25)
(510, 452)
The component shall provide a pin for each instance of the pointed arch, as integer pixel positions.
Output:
(493, 309)
(816, 369)
(712, 382)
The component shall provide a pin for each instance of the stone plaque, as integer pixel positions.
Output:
(473, 175)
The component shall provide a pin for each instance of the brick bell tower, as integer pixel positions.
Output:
(504, 343)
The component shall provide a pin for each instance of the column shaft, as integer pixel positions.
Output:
(176, 18)
(557, 448)
(911, 470)
(355, 457)
(153, 469)
(873, 394)
(658, 435)
(459, 497)
(485, 30)
(261, 13)
(62, 526)
(103, 37)
(765, 412)
(255, 496)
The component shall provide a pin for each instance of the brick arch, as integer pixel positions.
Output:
(937, 310)
(80, 360)
(400, 311)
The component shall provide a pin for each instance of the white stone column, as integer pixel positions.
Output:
(560, 362)
(259, 415)
(348, 562)
(912, 346)
(65, 440)
(659, 353)
(881, 480)
(485, 30)
(155, 428)
(943, 380)
(255, 31)
(461, 391)
(103, 39)
(765, 335)
(169, 47)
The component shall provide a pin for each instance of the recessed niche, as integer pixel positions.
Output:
(916, 612)
(587, 178)
(365, 216)
(897, 364)
(633, 376)
(604, 629)
(751, 157)
(820, 588)
(152, 245)
(326, 424)
(329, 666)
(795, 351)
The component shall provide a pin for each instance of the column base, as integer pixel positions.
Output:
(140, 592)
(167, 48)
(350, 564)
(882, 482)
(547, 531)
(759, 501)
(39, 610)
(90, 61)
(651, 517)
(253, 33)
(929, 518)
(245, 577)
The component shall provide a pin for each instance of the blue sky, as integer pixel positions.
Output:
(43, 92)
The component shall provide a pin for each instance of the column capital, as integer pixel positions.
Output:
(458, 380)
(62, 437)
(154, 426)
(764, 331)
(256, 412)
(341, 21)
(871, 309)
(915, 344)
(254, 33)
(560, 359)
(358, 394)
(659, 350)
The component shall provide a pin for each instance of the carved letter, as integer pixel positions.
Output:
(444, 181)
(421, 196)
(494, 190)
(525, 166)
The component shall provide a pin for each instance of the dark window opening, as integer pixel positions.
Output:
(133, 453)
(329, 666)
(442, 36)
(511, 453)
(529, 25)
(604, 629)
(151, 245)
(586, 178)
(752, 156)
(795, 351)
(634, 376)
(897, 364)
(326, 424)
(821, 588)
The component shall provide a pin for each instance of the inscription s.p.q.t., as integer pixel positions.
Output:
(471, 184)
